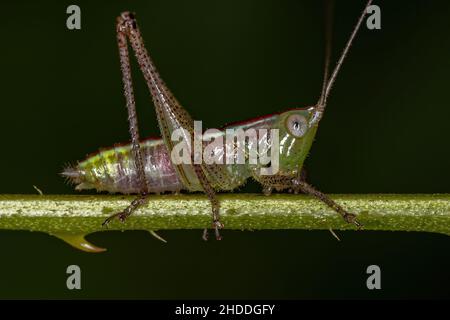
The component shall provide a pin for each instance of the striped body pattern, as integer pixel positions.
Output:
(114, 169)
(153, 166)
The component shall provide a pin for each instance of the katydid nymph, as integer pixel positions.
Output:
(144, 166)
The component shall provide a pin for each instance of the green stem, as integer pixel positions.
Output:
(56, 214)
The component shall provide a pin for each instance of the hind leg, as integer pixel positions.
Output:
(133, 129)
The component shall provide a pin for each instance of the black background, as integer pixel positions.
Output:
(385, 131)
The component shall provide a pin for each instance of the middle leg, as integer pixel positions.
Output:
(215, 204)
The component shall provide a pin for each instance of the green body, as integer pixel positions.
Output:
(114, 169)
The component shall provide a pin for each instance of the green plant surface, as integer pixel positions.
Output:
(56, 214)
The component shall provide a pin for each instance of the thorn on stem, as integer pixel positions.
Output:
(38, 190)
(334, 234)
(157, 236)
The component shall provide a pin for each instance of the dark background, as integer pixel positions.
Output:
(385, 131)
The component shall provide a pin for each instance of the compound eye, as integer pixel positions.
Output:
(297, 125)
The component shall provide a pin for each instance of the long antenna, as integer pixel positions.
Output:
(320, 108)
(328, 39)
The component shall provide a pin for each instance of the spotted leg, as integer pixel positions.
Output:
(298, 183)
(308, 189)
(170, 114)
(214, 203)
(133, 128)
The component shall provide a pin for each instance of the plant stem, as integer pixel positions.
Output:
(57, 214)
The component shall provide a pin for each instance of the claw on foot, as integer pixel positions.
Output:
(267, 191)
(205, 234)
(218, 236)
(351, 218)
(218, 225)
(107, 221)
(120, 215)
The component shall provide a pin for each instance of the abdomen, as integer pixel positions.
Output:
(114, 170)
